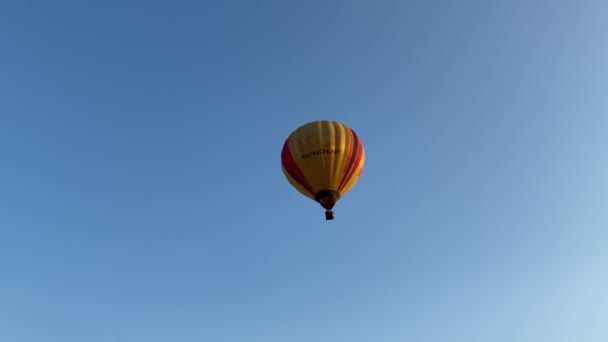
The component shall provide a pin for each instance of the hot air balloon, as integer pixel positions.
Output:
(323, 160)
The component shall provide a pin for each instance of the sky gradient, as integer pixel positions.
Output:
(142, 199)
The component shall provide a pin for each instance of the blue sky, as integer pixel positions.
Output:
(141, 196)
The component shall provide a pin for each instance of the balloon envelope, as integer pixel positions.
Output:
(323, 160)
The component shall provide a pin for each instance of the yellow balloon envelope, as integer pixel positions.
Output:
(323, 160)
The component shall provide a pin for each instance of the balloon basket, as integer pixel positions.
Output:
(329, 215)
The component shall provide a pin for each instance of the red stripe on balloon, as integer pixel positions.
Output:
(354, 162)
(292, 168)
(349, 162)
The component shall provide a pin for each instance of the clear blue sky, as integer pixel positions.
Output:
(141, 195)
